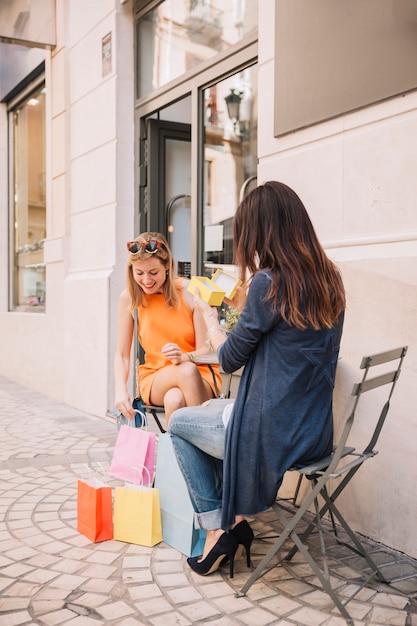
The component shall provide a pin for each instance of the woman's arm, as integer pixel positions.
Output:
(200, 328)
(214, 334)
(256, 320)
(125, 326)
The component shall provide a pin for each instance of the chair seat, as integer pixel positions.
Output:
(314, 468)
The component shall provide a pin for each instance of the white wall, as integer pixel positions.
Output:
(3, 212)
(356, 176)
(67, 353)
(30, 342)
(101, 203)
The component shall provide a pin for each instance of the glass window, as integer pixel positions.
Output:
(176, 37)
(28, 164)
(230, 161)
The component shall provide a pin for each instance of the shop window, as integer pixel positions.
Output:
(28, 201)
(175, 37)
(230, 161)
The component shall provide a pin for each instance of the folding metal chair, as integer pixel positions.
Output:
(342, 464)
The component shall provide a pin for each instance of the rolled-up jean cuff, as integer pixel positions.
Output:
(209, 520)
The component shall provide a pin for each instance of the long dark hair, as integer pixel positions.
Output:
(272, 230)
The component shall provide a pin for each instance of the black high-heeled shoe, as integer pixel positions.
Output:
(226, 546)
(243, 534)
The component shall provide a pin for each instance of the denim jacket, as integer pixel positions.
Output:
(282, 414)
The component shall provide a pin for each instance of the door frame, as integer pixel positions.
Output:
(227, 64)
(158, 131)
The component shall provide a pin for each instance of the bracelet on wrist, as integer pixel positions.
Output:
(212, 331)
(191, 357)
(215, 329)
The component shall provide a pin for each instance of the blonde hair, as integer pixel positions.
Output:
(164, 254)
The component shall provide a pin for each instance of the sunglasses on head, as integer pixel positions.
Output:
(150, 246)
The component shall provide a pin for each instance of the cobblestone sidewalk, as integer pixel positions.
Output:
(51, 575)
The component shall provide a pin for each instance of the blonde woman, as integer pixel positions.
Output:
(170, 330)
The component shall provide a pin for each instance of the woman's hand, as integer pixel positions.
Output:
(238, 300)
(172, 352)
(205, 309)
(123, 404)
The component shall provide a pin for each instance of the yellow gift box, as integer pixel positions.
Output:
(227, 282)
(213, 290)
(208, 290)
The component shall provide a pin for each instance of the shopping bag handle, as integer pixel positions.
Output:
(90, 469)
(131, 423)
(141, 469)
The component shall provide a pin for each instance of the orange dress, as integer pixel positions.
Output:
(159, 324)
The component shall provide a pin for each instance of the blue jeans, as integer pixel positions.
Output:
(198, 436)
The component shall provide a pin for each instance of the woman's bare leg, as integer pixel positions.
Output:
(176, 386)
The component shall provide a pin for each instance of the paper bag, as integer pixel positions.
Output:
(137, 514)
(94, 509)
(177, 512)
(134, 447)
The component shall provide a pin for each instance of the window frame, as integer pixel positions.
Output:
(35, 81)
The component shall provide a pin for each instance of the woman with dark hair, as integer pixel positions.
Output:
(170, 330)
(233, 455)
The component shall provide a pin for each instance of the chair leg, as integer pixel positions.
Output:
(314, 525)
(286, 532)
(334, 512)
(359, 549)
(321, 534)
(297, 490)
(156, 418)
(289, 533)
(261, 568)
(330, 512)
(326, 507)
(218, 394)
(323, 577)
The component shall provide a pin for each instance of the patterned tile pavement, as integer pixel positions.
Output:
(51, 575)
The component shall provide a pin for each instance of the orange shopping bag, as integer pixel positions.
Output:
(94, 509)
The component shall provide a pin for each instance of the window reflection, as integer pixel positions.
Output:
(230, 161)
(176, 37)
(29, 203)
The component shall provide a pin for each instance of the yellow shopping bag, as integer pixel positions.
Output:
(137, 514)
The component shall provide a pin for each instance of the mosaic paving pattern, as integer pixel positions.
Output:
(51, 575)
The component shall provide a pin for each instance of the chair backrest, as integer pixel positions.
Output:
(387, 378)
(329, 469)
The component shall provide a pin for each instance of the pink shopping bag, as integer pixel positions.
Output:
(134, 447)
